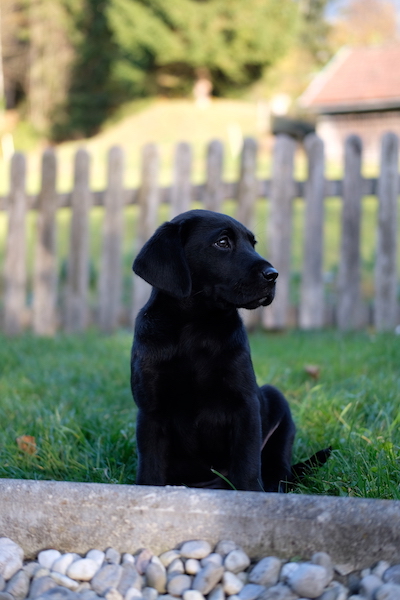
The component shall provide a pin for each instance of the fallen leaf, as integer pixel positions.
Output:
(313, 371)
(27, 444)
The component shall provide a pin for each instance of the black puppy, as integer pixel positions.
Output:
(201, 411)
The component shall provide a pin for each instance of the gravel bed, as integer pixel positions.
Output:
(191, 571)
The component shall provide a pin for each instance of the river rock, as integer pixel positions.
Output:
(168, 557)
(236, 561)
(59, 593)
(113, 556)
(217, 593)
(251, 591)
(308, 580)
(83, 569)
(149, 593)
(192, 566)
(133, 593)
(225, 546)
(214, 558)
(65, 581)
(62, 564)
(207, 578)
(142, 561)
(392, 575)
(130, 578)
(97, 555)
(195, 549)
(193, 595)
(388, 591)
(156, 575)
(11, 557)
(176, 567)
(18, 585)
(107, 577)
(41, 585)
(112, 593)
(369, 585)
(280, 591)
(231, 584)
(47, 558)
(177, 585)
(266, 571)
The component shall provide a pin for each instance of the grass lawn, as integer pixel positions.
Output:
(71, 393)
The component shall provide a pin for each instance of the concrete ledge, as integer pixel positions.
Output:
(79, 516)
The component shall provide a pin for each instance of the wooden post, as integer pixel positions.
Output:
(385, 315)
(76, 305)
(246, 201)
(348, 303)
(213, 194)
(45, 275)
(311, 314)
(248, 185)
(280, 229)
(15, 258)
(110, 277)
(149, 198)
(181, 191)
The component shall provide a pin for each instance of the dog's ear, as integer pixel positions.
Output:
(162, 262)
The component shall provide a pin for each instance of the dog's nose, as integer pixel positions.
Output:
(270, 274)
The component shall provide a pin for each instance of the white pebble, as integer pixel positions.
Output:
(83, 569)
(61, 564)
(176, 567)
(156, 575)
(192, 566)
(133, 593)
(97, 555)
(127, 559)
(47, 558)
(113, 593)
(231, 584)
(193, 595)
(11, 557)
(64, 581)
(195, 549)
(168, 557)
(236, 561)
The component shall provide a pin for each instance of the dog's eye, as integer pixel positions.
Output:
(223, 242)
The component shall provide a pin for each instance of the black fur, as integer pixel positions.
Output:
(201, 412)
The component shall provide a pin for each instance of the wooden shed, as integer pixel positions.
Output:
(357, 92)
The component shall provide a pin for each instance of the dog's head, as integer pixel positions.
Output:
(209, 255)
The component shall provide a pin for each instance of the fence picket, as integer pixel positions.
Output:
(76, 301)
(45, 275)
(311, 314)
(280, 229)
(15, 258)
(213, 193)
(247, 193)
(149, 199)
(181, 191)
(110, 278)
(348, 302)
(386, 309)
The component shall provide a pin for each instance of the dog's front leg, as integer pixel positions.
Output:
(245, 463)
(152, 444)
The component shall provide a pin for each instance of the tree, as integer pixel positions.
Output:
(92, 94)
(163, 42)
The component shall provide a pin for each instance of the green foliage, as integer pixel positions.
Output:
(168, 41)
(92, 93)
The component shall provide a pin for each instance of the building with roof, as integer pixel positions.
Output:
(357, 92)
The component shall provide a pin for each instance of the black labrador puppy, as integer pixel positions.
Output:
(202, 418)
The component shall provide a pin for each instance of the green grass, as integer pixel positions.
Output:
(72, 394)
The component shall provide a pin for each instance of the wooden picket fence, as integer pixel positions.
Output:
(45, 313)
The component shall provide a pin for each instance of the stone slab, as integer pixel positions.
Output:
(75, 517)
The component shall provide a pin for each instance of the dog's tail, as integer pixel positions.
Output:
(301, 469)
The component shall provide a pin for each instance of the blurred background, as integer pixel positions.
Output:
(132, 72)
